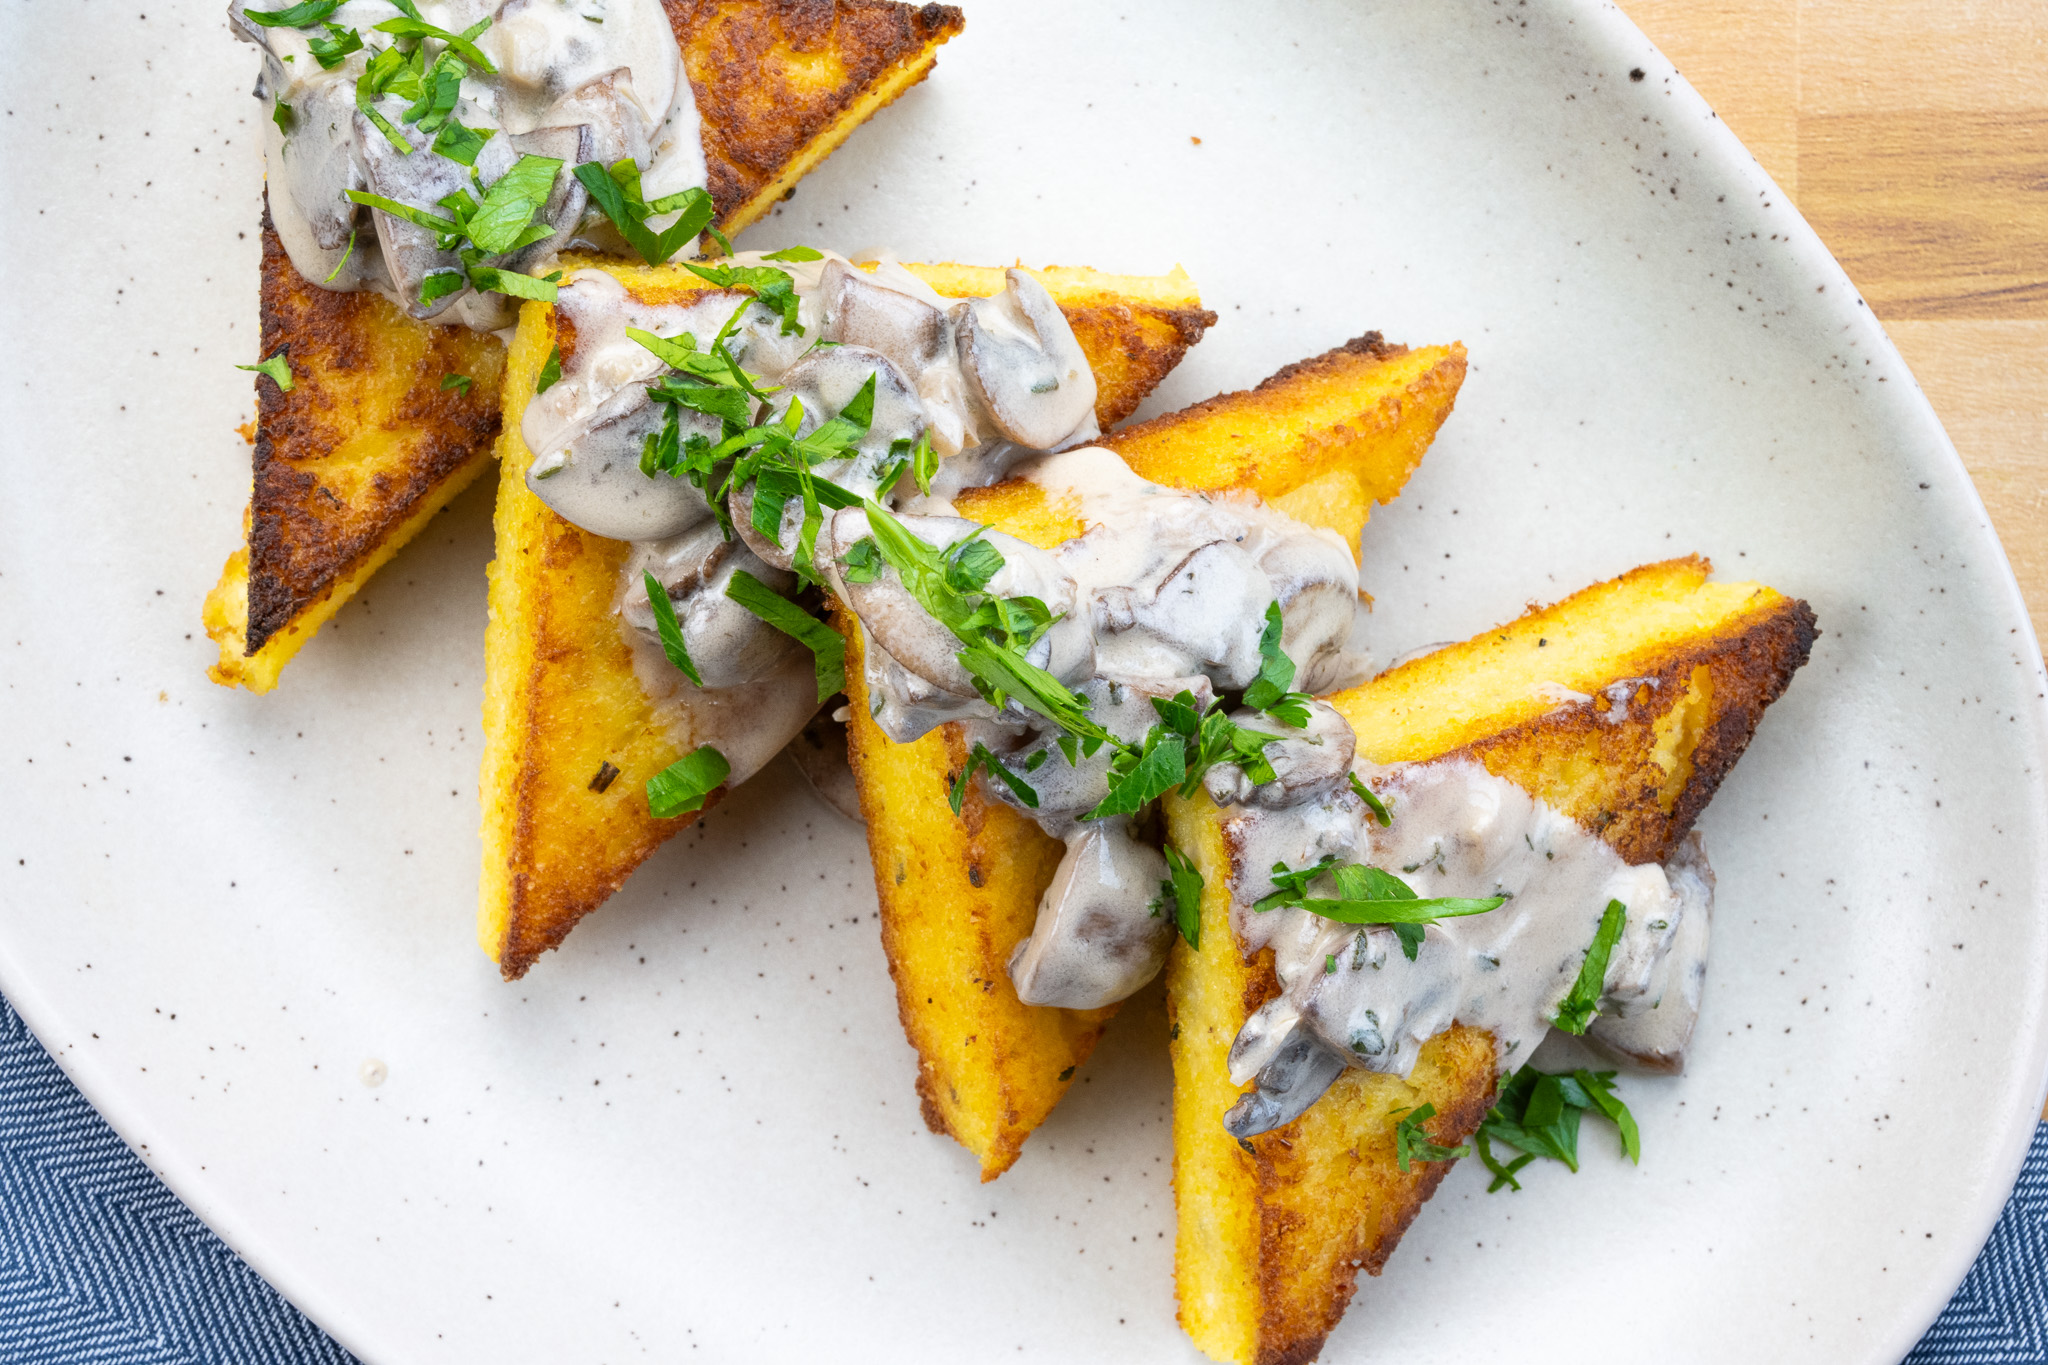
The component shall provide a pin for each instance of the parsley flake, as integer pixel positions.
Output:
(1582, 1002)
(685, 784)
(277, 367)
(1412, 1141)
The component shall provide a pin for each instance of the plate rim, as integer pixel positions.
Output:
(1608, 26)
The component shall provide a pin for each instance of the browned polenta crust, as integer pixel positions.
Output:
(956, 894)
(779, 83)
(303, 535)
(1273, 1232)
(1356, 419)
(1140, 345)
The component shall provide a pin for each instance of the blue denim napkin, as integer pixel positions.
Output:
(100, 1263)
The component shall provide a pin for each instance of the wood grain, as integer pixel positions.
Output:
(1918, 149)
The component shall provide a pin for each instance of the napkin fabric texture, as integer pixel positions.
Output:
(101, 1265)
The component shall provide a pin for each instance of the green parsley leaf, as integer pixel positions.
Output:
(460, 143)
(439, 284)
(1582, 1002)
(671, 629)
(414, 27)
(388, 72)
(277, 367)
(491, 279)
(684, 784)
(1160, 766)
(981, 758)
(616, 191)
(1183, 891)
(433, 222)
(863, 562)
(347, 252)
(500, 222)
(456, 381)
(551, 372)
(1372, 801)
(924, 465)
(794, 253)
(1366, 895)
(1538, 1113)
(336, 47)
(1268, 691)
(281, 115)
(827, 646)
(773, 287)
(303, 15)
(1412, 1141)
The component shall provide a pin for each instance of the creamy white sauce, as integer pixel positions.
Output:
(587, 431)
(1349, 996)
(579, 80)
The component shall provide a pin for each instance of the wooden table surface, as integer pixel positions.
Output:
(1914, 136)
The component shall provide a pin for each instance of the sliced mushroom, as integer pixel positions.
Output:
(1204, 614)
(1315, 580)
(729, 645)
(859, 312)
(1295, 1079)
(592, 477)
(1024, 366)
(1100, 933)
(1309, 763)
(925, 646)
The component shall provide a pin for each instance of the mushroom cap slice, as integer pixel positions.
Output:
(1023, 365)
(1096, 940)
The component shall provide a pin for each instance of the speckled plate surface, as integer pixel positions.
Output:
(692, 1133)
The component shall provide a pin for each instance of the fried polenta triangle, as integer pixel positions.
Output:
(367, 446)
(570, 736)
(958, 892)
(1274, 1230)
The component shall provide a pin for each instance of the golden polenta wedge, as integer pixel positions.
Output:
(1322, 440)
(1273, 1231)
(368, 446)
(570, 737)
(958, 892)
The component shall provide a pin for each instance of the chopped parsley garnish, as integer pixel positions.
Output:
(456, 381)
(1369, 895)
(303, 15)
(1412, 1141)
(773, 287)
(924, 462)
(501, 223)
(1182, 890)
(281, 115)
(1582, 1002)
(981, 758)
(616, 190)
(1372, 801)
(863, 562)
(1268, 691)
(1538, 1114)
(277, 367)
(550, 373)
(827, 646)
(347, 252)
(684, 785)
(336, 47)
(670, 629)
(412, 26)
(795, 253)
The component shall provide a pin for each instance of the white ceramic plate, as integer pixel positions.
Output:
(692, 1133)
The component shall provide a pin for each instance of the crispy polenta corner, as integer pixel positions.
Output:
(368, 446)
(1274, 1230)
(1322, 440)
(958, 892)
(570, 736)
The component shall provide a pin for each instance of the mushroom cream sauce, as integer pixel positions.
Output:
(1167, 591)
(575, 80)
